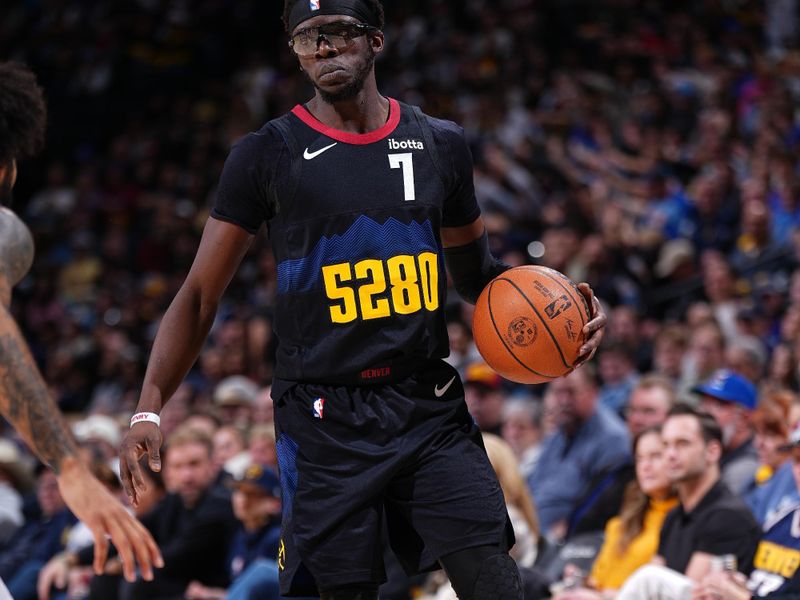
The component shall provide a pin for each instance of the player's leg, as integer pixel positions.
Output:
(450, 496)
(483, 573)
(333, 473)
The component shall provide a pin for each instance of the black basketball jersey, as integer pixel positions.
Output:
(354, 222)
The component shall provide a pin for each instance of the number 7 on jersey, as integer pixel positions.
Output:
(406, 162)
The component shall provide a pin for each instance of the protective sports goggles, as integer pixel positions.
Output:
(337, 34)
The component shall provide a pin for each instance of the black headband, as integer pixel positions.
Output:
(306, 9)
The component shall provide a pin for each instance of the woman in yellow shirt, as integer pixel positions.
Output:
(631, 539)
(771, 422)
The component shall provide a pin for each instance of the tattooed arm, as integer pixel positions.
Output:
(24, 398)
(26, 403)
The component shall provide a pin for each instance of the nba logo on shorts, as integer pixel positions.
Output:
(319, 406)
(313, 4)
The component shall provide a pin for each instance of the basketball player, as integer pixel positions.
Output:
(360, 194)
(24, 398)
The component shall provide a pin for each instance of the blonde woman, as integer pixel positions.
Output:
(771, 421)
(631, 539)
(518, 499)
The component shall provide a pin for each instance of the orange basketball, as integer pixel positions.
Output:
(528, 324)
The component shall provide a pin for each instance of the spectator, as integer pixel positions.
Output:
(705, 355)
(731, 400)
(651, 400)
(205, 421)
(746, 356)
(70, 569)
(623, 328)
(234, 396)
(262, 407)
(589, 444)
(775, 565)
(669, 351)
(771, 425)
(230, 451)
(782, 368)
(178, 412)
(101, 434)
(483, 392)
(518, 500)
(38, 540)
(253, 553)
(617, 369)
(522, 429)
(779, 493)
(709, 521)
(62, 570)
(262, 446)
(15, 479)
(719, 285)
(679, 281)
(463, 352)
(193, 525)
(631, 539)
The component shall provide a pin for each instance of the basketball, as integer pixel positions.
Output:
(528, 324)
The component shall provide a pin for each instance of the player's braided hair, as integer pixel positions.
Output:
(375, 5)
(23, 114)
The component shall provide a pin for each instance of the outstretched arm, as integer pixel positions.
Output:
(179, 340)
(26, 403)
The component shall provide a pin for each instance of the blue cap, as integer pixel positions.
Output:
(261, 477)
(728, 386)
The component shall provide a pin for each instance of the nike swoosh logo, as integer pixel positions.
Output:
(309, 155)
(439, 392)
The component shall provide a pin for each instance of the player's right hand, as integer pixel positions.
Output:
(143, 438)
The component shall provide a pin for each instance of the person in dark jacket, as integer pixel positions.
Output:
(193, 525)
(38, 540)
(252, 559)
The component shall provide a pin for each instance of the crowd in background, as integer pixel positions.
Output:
(648, 148)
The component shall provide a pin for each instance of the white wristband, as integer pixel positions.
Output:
(145, 416)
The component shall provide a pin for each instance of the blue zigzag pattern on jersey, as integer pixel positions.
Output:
(365, 238)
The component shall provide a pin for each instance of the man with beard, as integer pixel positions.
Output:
(24, 399)
(360, 194)
(710, 522)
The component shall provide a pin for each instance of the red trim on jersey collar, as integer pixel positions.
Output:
(370, 137)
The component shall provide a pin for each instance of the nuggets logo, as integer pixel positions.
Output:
(313, 4)
(557, 306)
(319, 407)
(522, 331)
(253, 472)
(282, 556)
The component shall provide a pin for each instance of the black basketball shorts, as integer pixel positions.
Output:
(351, 456)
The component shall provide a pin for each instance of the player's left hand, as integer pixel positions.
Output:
(593, 330)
